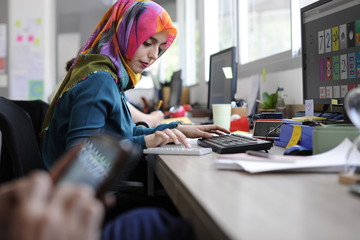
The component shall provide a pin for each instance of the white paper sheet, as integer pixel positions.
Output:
(333, 160)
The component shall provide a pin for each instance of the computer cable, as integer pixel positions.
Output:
(273, 130)
(325, 108)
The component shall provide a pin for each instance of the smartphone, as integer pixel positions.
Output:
(99, 161)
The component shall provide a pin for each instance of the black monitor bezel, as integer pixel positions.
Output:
(176, 76)
(233, 66)
(303, 51)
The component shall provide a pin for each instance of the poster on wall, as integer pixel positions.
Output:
(27, 58)
(31, 55)
(3, 48)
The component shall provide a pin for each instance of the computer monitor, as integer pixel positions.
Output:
(330, 50)
(175, 89)
(222, 77)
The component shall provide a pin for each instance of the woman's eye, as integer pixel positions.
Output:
(161, 51)
(146, 44)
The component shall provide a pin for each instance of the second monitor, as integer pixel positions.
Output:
(175, 89)
(222, 77)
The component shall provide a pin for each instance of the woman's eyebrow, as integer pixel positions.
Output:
(155, 40)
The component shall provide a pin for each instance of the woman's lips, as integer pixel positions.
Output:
(145, 64)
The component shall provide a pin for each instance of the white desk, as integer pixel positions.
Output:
(237, 205)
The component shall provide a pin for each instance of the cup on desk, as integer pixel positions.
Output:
(222, 115)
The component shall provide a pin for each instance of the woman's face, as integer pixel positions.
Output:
(148, 52)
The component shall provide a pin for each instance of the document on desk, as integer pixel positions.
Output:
(183, 120)
(331, 161)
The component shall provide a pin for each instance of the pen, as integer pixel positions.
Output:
(159, 104)
(259, 154)
(257, 157)
(267, 157)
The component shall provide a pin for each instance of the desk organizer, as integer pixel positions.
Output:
(286, 133)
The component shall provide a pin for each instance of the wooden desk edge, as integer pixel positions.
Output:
(203, 226)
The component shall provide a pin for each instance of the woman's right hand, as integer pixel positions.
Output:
(160, 138)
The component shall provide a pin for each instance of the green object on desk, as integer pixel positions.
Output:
(329, 136)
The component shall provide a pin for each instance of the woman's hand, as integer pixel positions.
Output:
(178, 135)
(155, 118)
(160, 138)
(199, 131)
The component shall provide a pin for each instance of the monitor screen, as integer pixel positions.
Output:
(222, 77)
(175, 89)
(330, 50)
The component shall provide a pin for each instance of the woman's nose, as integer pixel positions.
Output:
(154, 53)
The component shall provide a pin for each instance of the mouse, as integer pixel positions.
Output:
(298, 150)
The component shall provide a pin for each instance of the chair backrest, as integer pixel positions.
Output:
(37, 110)
(20, 152)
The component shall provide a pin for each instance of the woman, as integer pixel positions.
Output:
(130, 37)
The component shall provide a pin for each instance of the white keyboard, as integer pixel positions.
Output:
(172, 149)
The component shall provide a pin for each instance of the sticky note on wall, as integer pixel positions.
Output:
(264, 74)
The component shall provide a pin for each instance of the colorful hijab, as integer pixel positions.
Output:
(113, 43)
(125, 26)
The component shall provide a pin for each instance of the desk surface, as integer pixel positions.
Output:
(237, 205)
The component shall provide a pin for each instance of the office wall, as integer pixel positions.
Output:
(290, 80)
(3, 48)
(199, 93)
(76, 19)
(29, 44)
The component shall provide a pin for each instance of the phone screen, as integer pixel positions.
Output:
(94, 161)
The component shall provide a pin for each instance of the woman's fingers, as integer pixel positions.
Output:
(161, 138)
(172, 135)
(181, 137)
(215, 128)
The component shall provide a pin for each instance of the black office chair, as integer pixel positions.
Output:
(37, 110)
(20, 152)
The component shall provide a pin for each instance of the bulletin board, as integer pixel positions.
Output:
(29, 60)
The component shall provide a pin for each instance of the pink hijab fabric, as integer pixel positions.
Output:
(125, 26)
